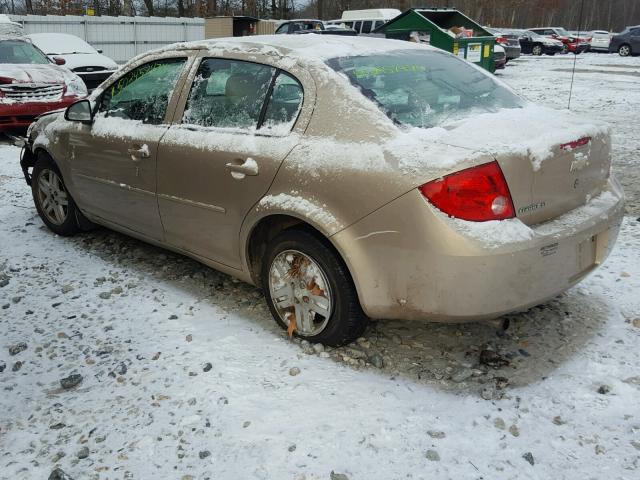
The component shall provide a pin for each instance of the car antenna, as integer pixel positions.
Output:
(575, 56)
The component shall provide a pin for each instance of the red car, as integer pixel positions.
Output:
(31, 84)
(571, 43)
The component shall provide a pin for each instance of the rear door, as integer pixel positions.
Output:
(113, 160)
(222, 153)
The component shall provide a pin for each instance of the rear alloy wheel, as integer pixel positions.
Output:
(537, 50)
(54, 204)
(309, 290)
(624, 50)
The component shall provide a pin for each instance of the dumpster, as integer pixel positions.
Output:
(444, 28)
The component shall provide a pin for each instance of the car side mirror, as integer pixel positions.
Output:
(79, 111)
(59, 60)
(99, 50)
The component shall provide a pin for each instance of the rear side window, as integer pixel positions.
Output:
(366, 26)
(284, 105)
(143, 94)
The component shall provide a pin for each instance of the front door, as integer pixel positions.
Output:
(216, 162)
(113, 160)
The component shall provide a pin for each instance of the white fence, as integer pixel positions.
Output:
(120, 38)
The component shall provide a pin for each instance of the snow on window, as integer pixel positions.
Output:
(228, 94)
(283, 106)
(143, 94)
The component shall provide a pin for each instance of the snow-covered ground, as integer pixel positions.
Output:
(185, 375)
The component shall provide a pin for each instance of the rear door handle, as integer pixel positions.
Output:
(139, 153)
(240, 170)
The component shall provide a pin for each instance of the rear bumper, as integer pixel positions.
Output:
(512, 52)
(578, 48)
(411, 262)
(18, 116)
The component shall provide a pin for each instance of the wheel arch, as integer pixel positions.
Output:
(268, 226)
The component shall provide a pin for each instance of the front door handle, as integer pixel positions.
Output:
(139, 153)
(239, 169)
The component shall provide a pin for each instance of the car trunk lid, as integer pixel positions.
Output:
(576, 171)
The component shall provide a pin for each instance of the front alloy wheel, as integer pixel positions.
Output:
(55, 206)
(624, 50)
(52, 197)
(537, 50)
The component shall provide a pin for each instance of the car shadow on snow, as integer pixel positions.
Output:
(480, 357)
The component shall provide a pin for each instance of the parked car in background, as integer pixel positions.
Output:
(509, 41)
(365, 21)
(534, 44)
(600, 40)
(571, 44)
(299, 27)
(32, 84)
(81, 58)
(499, 57)
(295, 26)
(626, 42)
(229, 151)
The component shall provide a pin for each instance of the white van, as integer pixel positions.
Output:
(365, 21)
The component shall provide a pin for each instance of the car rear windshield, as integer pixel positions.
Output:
(424, 88)
(16, 51)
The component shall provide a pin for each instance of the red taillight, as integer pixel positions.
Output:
(502, 40)
(576, 143)
(478, 194)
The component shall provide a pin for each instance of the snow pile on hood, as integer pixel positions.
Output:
(533, 131)
(37, 73)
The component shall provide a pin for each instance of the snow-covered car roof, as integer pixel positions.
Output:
(307, 47)
(61, 43)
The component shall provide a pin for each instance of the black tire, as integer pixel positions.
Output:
(624, 50)
(69, 220)
(347, 321)
(565, 48)
(537, 50)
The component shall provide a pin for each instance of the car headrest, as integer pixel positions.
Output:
(241, 85)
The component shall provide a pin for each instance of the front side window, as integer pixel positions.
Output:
(228, 94)
(424, 88)
(143, 94)
(19, 52)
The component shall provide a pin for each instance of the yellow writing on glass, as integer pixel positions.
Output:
(388, 69)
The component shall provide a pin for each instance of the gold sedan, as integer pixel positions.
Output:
(350, 178)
